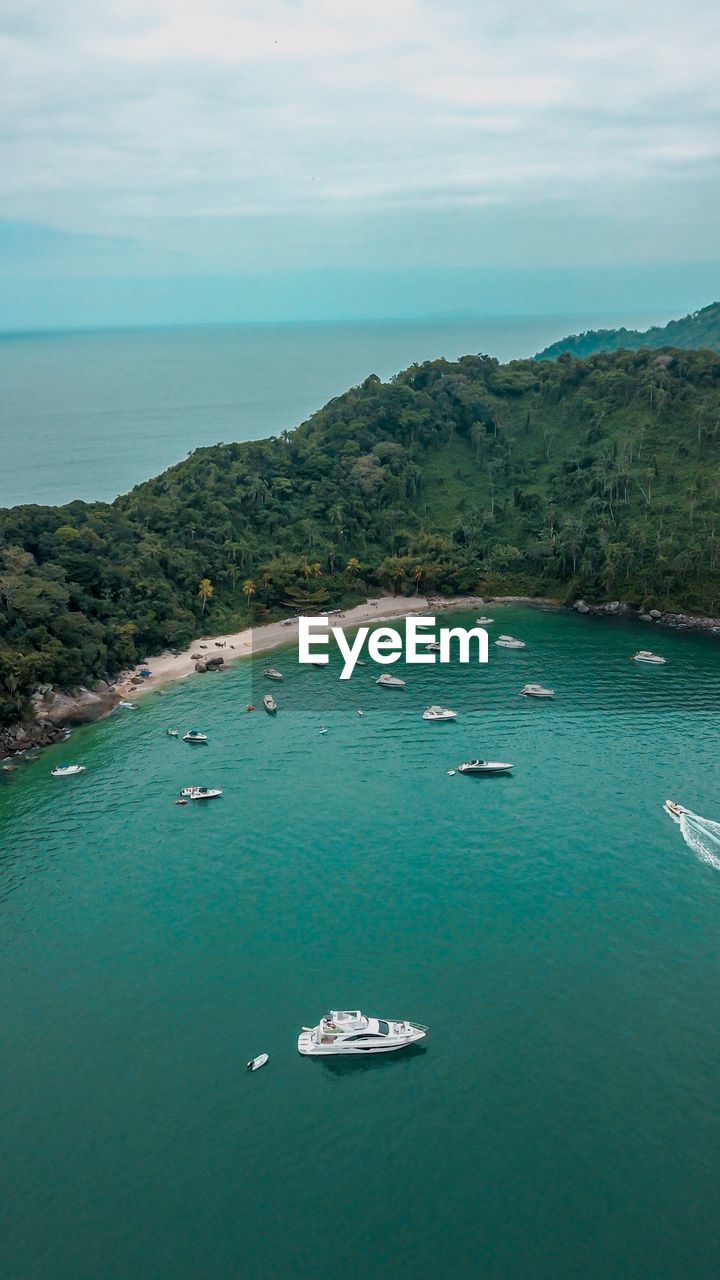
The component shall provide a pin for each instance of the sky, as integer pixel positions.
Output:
(166, 161)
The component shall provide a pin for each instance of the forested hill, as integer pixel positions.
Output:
(597, 477)
(699, 331)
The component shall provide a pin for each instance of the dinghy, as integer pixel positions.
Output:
(256, 1063)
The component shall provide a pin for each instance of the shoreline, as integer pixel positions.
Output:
(167, 667)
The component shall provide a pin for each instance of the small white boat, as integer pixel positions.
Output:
(536, 691)
(172, 733)
(439, 713)
(350, 1032)
(653, 659)
(433, 646)
(509, 642)
(360, 711)
(200, 793)
(676, 811)
(272, 673)
(390, 682)
(66, 770)
(256, 1063)
(483, 622)
(129, 706)
(194, 735)
(270, 704)
(484, 766)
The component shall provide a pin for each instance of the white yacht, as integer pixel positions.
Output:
(66, 770)
(350, 1032)
(390, 682)
(484, 766)
(272, 673)
(536, 691)
(270, 704)
(201, 793)
(644, 655)
(194, 735)
(439, 713)
(509, 642)
(433, 646)
(483, 622)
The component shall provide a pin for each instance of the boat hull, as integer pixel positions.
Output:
(311, 1049)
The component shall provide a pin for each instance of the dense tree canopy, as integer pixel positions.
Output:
(597, 476)
(700, 330)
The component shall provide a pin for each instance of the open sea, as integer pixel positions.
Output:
(553, 929)
(88, 415)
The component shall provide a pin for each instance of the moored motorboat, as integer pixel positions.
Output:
(483, 622)
(172, 733)
(351, 1032)
(436, 712)
(256, 1063)
(509, 642)
(270, 704)
(433, 646)
(390, 682)
(66, 770)
(272, 673)
(536, 691)
(653, 659)
(200, 793)
(484, 766)
(194, 735)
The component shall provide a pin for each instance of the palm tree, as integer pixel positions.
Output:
(205, 591)
(417, 575)
(353, 567)
(248, 589)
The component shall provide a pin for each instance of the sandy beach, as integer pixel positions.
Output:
(244, 644)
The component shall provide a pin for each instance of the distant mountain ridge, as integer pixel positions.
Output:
(698, 331)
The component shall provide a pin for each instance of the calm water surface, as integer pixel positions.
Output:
(88, 415)
(552, 928)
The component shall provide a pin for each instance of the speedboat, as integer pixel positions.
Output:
(256, 1063)
(644, 655)
(433, 646)
(200, 793)
(350, 1032)
(272, 673)
(483, 622)
(509, 642)
(194, 735)
(484, 766)
(536, 691)
(390, 682)
(676, 811)
(66, 770)
(270, 704)
(172, 733)
(439, 713)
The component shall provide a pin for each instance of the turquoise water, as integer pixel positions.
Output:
(88, 415)
(552, 928)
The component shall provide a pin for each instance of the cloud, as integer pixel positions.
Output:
(302, 132)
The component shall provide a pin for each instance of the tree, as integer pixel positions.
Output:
(249, 589)
(205, 591)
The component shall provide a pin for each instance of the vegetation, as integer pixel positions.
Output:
(597, 477)
(698, 331)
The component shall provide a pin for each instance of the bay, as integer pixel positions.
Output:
(552, 929)
(89, 414)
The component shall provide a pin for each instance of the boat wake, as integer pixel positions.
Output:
(702, 836)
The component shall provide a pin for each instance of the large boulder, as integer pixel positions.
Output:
(78, 706)
(212, 664)
(200, 666)
(655, 614)
(581, 606)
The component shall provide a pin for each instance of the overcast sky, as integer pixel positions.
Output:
(417, 156)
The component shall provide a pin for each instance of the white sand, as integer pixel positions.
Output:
(166, 666)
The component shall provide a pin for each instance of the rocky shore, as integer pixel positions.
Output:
(621, 609)
(53, 712)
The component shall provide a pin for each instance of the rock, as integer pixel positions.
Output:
(645, 617)
(582, 607)
(196, 657)
(655, 613)
(77, 706)
(213, 663)
(200, 666)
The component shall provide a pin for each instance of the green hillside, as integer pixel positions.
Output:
(597, 477)
(699, 331)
